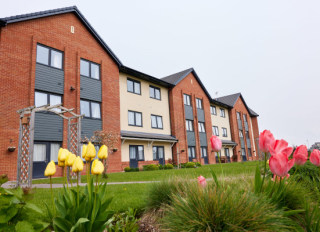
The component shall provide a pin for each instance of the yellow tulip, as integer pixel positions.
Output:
(91, 152)
(97, 167)
(50, 169)
(77, 165)
(103, 152)
(84, 150)
(62, 154)
(70, 159)
(61, 164)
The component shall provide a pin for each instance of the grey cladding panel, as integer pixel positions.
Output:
(49, 79)
(90, 89)
(200, 113)
(89, 126)
(191, 138)
(203, 139)
(48, 127)
(188, 112)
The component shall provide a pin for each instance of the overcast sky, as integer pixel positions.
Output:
(267, 50)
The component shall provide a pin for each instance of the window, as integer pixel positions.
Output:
(54, 150)
(238, 116)
(189, 125)
(42, 99)
(191, 152)
(89, 69)
(247, 135)
(156, 122)
(46, 151)
(222, 113)
(224, 132)
(226, 152)
(49, 56)
(199, 103)
(249, 152)
(133, 86)
(213, 110)
(204, 152)
(90, 109)
(134, 118)
(136, 152)
(154, 92)
(240, 134)
(187, 99)
(243, 152)
(245, 118)
(215, 130)
(158, 152)
(201, 127)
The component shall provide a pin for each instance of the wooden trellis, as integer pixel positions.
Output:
(26, 138)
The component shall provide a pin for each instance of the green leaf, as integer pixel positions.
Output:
(79, 222)
(6, 214)
(23, 226)
(49, 211)
(293, 212)
(62, 223)
(257, 180)
(33, 207)
(214, 176)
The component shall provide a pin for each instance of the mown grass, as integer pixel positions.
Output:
(229, 170)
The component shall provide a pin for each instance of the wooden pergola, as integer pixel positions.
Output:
(26, 137)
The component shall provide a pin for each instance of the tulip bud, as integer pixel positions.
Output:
(84, 150)
(202, 181)
(315, 157)
(97, 167)
(77, 164)
(103, 152)
(70, 159)
(50, 169)
(216, 143)
(63, 154)
(301, 154)
(91, 152)
(61, 164)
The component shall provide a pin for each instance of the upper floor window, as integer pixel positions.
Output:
(213, 110)
(201, 127)
(187, 99)
(189, 125)
(90, 109)
(245, 118)
(240, 134)
(155, 92)
(42, 98)
(238, 116)
(156, 122)
(134, 118)
(133, 86)
(199, 103)
(224, 132)
(49, 56)
(89, 69)
(222, 113)
(215, 130)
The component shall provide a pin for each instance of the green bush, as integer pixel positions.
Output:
(150, 167)
(126, 221)
(128, 169)
(190, 165)
(161, 167)
(198, 164)
(168, 166)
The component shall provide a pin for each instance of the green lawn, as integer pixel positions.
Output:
(229, 169)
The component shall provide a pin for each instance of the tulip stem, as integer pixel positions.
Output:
(265, 170)
(78, 174)
(54, 209)
(96, 183)
(220, 167)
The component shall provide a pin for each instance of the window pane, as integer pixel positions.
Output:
(84, 68)
(140, 152)
(184, 99)
(151, 90)
(137, 87)
(55, 100)
(187, 125)
(138, 119)
(132, 152)
(95, 71)
(39, 153)
(84, 108)
(42, 55)
(157, 91)
(95, 108)
(54, 149)
(56, 59)
(153, 121)
(130, 85)
(160, 152)
(40, 99)
(131, 118)
(205, 152)
(189, 152)
(154, 151)
(159, 120)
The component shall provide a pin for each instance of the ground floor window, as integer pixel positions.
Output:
(158, 152)
(204, 152)
(191, 153)
(249, 152)
(136, 152)
(227, 153)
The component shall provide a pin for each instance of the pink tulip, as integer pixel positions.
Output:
(315, 157)
(278, 178)
(301, 154)
(280, 146)
(280, 165)
(266, 139)
(202, 181)
(216, 143)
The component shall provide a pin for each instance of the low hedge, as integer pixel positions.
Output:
(128, 169)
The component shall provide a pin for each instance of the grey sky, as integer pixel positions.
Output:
(267, 50)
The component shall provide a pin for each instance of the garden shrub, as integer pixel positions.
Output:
(198, 164)
(161, 167)
(168, 166)
(128, 169)
(126, 221)
(150, 167)
(3, 179)
(190, 165)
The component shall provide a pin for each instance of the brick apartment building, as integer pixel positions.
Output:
(56, 56)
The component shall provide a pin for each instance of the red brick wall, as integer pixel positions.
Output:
(189, 85)
(17, 69)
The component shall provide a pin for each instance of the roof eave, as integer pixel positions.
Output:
(3, 23)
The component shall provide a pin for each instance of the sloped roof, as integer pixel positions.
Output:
(143, 135)
(47, 13)
(175, 78)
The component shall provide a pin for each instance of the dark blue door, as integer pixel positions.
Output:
(161, 155)
(133, 157)
(244, 157)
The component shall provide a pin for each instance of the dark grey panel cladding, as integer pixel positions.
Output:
(188, 112)
(191, 138)
(200, 113)
(203, 139)
(49, 79)
(89, 126)
(90, 89)
(48, 127)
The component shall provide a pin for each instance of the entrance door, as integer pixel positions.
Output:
(133, 157)
(204, 155)
(161, 155)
